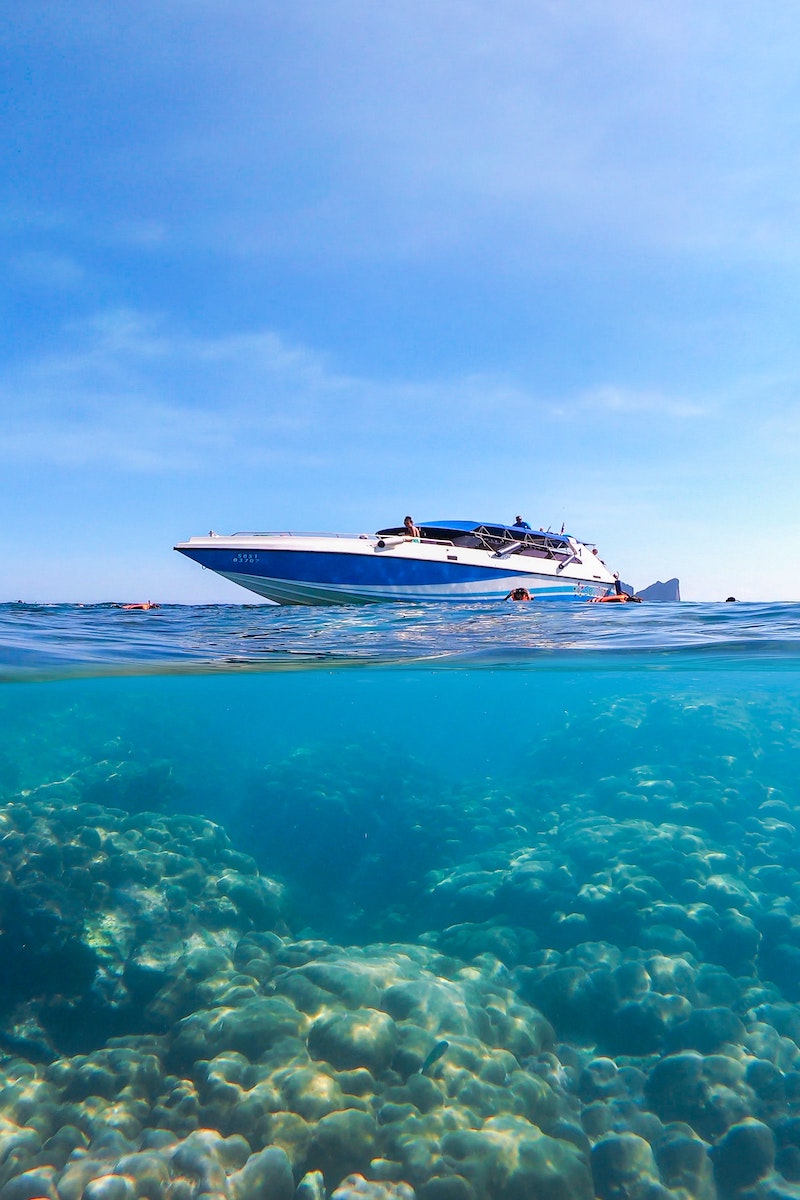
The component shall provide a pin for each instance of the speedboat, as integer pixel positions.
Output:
(448, 560)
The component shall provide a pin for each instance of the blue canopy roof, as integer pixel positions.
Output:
(468, 526)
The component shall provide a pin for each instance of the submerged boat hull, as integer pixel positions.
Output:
(328, 569)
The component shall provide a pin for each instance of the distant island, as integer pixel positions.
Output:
(671, 590)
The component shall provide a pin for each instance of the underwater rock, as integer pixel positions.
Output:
(566, 995)
(768, 1083)
(684, 1163)
(611, 964)
(309, 1092)
(148, 1171)
(39, 1182)
(435, 1005)
(743, 1156)
(509, 944)
(99, 907)
(250, 1027)
(265, 1176)
(351, 983)
(644, 1025)
(263, 1089)
(356, 1187)
(206, 1160)
(360, 1038)
(600, 1079)
(787, 1136)
(707, 1030)
(623, 1167)
(707, 1093)
(509, 1157)
(311, 1187)
(342, 1143)
(110, 1187)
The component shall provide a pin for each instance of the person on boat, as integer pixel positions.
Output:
(520, 524)
(145, 607)
(519, 593)
(412, 530)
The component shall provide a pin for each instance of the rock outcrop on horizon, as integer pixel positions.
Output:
(671, 590)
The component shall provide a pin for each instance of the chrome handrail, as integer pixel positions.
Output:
(295, 533)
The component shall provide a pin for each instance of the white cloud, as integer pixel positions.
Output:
(127, 391)
(629, 402)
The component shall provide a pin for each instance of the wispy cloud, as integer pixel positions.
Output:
(128, 394)
(127, 391)
(630, 402)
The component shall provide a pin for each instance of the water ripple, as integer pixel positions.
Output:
(53, 638)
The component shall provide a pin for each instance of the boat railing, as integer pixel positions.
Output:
(537, 544)
(501, 544)
(297, 533)
(395, 539)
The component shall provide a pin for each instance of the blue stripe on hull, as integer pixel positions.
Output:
(318, 577)
(348, 570)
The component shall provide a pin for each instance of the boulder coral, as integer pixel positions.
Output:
(581, 989)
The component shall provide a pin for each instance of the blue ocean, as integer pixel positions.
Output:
(459, 903)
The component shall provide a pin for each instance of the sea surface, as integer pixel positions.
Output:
(467, 902)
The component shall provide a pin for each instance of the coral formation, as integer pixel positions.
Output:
(603, 1000)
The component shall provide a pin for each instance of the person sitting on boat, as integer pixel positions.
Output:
(520, 593)
(520, 524)
(412, 530)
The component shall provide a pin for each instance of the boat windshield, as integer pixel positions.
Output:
(488, 536)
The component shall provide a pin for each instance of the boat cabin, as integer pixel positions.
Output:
(498, 540)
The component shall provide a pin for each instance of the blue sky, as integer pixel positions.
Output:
(316, 265)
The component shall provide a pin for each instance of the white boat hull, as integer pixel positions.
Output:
(314, 569)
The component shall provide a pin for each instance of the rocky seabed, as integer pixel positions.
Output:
(617, 994)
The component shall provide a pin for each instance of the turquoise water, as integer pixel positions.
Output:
(259, 863)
